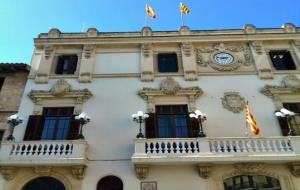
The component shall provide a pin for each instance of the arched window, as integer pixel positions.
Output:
(247, 182)
(44, 183)
(110, 183)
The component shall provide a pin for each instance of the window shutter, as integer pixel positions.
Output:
(194, 127)
(59, 66)
(284, 126)
(150, 126)
(73, 64)
(34, 127)
(73, 129)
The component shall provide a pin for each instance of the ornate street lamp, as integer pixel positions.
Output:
(287, 114)
(13, 121)
(83, 119)
(140, 117)
(201, 117)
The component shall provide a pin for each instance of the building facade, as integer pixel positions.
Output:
(13, 77)
(168, 75)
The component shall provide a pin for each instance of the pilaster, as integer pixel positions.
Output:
(87, 64)
(189, 61)
(147, 68)
(45, 65)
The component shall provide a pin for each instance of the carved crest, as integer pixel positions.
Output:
(169, 86)
(233, 102)
(60, 88)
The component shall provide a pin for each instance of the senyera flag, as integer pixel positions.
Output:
(251, 121)
(184, 9)
(150, 11)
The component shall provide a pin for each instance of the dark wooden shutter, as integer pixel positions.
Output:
(73, 129)
(72, 64)
(284, 126)
(60, 65)
(194, 127)
(150, 126)
(34, 127)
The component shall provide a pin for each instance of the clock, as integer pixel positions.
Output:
(223, 58)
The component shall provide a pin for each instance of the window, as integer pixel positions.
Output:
(1, 135)
(110, 183)
(294, 120)
(171, 121)
(55, 124)
(66, 64)
(167, 62)
(282, 60)
(1, 82)
(44, 183)
(245, 182)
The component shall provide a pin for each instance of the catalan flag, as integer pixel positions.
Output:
(150, 11)
(251, 121)
(184, 9)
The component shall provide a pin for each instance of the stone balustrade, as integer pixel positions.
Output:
(43, 153)
(214, 150)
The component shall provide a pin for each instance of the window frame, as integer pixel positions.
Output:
(291, 54)
(168, 56)
(68, 71)
(179, 63)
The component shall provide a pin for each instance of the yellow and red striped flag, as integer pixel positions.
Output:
(184, 9)
(251, 121)
(150, 11)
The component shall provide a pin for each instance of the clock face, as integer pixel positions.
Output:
(223, 58)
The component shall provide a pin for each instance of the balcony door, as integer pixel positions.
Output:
(294, 121)
(44, 183)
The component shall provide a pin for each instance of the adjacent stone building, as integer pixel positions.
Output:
(13, 77)
(169, 75)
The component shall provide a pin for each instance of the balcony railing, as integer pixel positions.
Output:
(43, 153)
(216, 150)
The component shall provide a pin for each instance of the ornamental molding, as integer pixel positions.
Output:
(241, 54)
(92, 32)
(257, 45)
(250, 168)
(54, 33)
(48, 51)
(148, 185)
(61, 90)
(78, 172)
(204, 170)
(146, 49)
(187, 48)
(170, 87)
(289, 85)
(297, 44)
(88, 50)
(141, 171)
(233, 102)
(8, 172)
(146, 31)
(42, 170)
(295, 169)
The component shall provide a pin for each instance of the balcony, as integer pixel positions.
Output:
(216, 150)
(34, 153)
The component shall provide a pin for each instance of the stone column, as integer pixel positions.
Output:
(45, 65)
(261, 60)
(87, 64)
(189, 61)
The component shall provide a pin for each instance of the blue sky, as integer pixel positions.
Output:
(22, 20)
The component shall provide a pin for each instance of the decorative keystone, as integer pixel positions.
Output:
(204, 170)
(78, 171)
(141, 171)
(8, 172)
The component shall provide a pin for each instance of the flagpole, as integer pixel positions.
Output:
(182, 18)
(145, 19)
(247, 124)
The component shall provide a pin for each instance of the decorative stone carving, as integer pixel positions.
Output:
(85, 77)
(41, 78)
(8, 172)
(290, 85)
(141, 171)
(265, 73)
(187, 48)
(60, 88)
(295, 168)
(233, 102)
(48, 50)
(146, 49)
(148, 185)
(289, 27)
(42, 170)
(250, 29)
(257, 45)
(78, 172)
(92, 32)
(250, 168)
(204, 170)
(54, 33)
(242, 56)
(146, 31)
(87, 50)
(169, 87)
(184, 30)
(297, 44)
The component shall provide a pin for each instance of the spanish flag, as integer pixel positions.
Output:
(150, 11)
(184, 9)
(251, 121)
